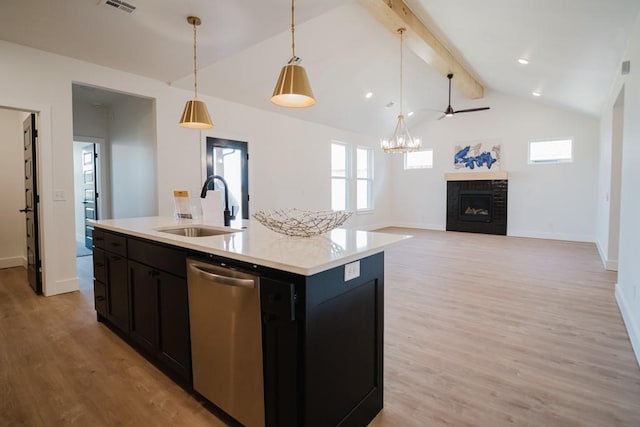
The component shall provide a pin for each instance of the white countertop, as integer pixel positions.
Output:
(259, 245)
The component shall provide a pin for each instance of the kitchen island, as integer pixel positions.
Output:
(319, 315)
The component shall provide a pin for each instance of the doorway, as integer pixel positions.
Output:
(19, 184)
(88, 189)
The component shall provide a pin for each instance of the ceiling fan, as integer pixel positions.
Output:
(450, 111)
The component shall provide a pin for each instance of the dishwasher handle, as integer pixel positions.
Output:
(222, 280)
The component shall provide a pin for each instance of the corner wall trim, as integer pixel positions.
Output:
(64, 286)
(611, 265)
(632, 327)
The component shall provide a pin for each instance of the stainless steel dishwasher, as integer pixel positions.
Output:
(226, 339)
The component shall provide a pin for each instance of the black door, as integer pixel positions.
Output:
(31, 200)
(90, 201)
(230, 159)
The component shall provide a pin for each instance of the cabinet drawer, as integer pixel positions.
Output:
(98, 238)
(99, 271)
(164, 258)
(116, 244)
(100, 297)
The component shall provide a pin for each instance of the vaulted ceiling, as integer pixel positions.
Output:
(574, 47)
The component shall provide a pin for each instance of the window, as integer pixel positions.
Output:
(551, 151)
(364, 178)
(418, 159)
(339, 176)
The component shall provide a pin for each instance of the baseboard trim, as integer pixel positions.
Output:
(10, 262)
(632, 328)
(419, 225)
(374, 227)
(63, 287)
(551, 236)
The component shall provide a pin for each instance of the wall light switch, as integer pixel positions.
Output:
(351, 271)
(59, 196)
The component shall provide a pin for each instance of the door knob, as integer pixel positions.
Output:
(25, 210)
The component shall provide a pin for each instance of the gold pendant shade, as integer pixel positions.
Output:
(195, 115)
(293, 88)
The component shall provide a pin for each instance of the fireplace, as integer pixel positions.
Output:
(477, 205)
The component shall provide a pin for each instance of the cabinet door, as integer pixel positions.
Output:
(144, 296)
(117, 292)
(174, 343)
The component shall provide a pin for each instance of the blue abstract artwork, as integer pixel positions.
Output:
(472, 157)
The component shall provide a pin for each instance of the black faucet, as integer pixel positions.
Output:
(203, 194)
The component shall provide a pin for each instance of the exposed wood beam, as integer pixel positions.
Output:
(394, 14)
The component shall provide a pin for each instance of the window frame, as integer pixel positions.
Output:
(347, 173)
(368, 179)
(550, 161)
(406, 155)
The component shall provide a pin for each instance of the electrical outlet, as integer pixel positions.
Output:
(59, 196)
(351, 271)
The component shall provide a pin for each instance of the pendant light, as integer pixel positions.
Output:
(401, 141)
(195, 114)
(293, 88)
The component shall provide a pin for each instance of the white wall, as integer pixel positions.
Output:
(12, 223)
(133, 158)
(545, 201)
(289, 164)
(628, 287)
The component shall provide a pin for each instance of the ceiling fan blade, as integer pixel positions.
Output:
(442, 117)
(469, 110)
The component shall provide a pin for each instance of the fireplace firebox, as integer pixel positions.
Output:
(477, 206)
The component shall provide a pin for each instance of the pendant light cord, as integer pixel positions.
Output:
(195, 63)
(401, 31)
(293, 33)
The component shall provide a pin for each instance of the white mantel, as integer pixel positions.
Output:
(475, 176)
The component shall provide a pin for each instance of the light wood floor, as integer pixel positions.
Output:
(480, 331)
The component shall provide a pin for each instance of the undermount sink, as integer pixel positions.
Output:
(196, 231)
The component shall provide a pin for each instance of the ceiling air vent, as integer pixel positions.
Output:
(118, 4)
(626, 67)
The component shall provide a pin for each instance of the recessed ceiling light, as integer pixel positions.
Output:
(535, 93)
(523, 61)
(410, 113)
(368, 95)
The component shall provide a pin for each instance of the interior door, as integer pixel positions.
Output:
(230, 159)
(90, 201)
(31, 201)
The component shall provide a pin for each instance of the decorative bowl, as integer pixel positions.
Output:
(301, 223)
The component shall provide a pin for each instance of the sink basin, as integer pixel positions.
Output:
(196, 231)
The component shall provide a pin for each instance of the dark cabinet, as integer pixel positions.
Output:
(117, 292)
(174, 345)
(140, 289)
(111, 288)
(99, 279)
(142, 280)
(159, 304)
